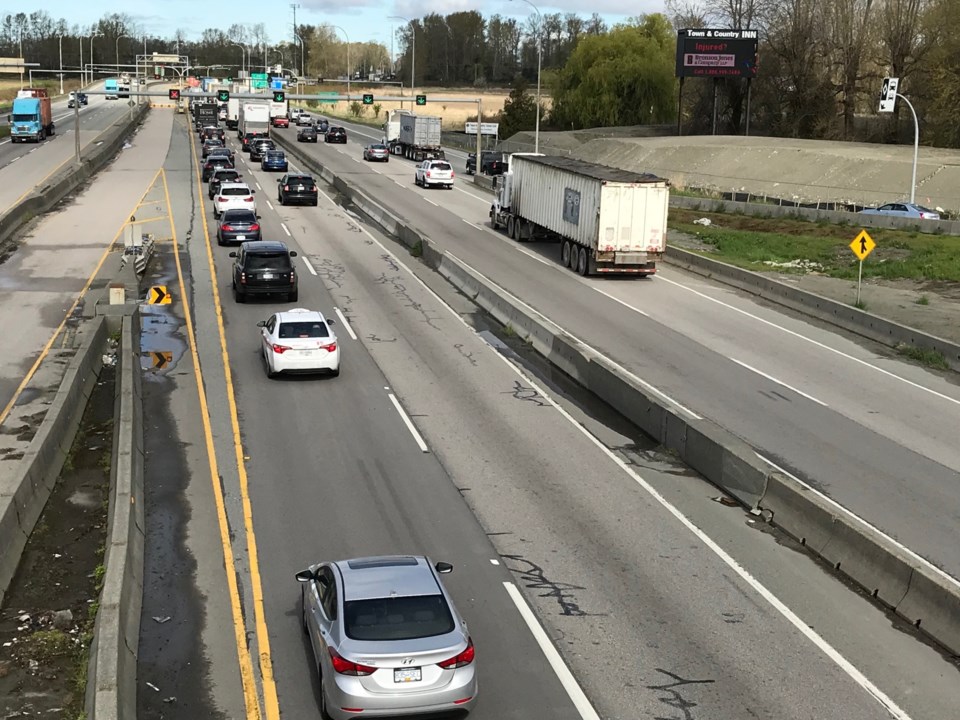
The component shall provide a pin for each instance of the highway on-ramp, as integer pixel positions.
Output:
(870, 430)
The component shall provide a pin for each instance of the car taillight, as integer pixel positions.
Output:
(428, 173)
(286, 188)
(248, 198)
(243, 278)
(464, 658)
(279, 349)
(228, 228)
(254, 227)
(346, 667)
(329, 348)
(313, 189)
(452, 174)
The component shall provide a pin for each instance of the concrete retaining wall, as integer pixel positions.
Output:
(25, 485)
(112, 669)
(70, 177)
(865, 556)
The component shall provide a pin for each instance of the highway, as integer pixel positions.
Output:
(870, 430)
(598, 577)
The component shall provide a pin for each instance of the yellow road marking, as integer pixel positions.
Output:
(270, 700)
(250, 697)
(86, 286)
(148, 220)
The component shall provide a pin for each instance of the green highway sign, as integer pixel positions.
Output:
(223, 95)
(327, 97)
(421, 99)
(259, 84)
(279, 96)
(368, 99)
(258, 76)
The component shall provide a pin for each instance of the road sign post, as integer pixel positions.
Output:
(862, 245)
(888, 100)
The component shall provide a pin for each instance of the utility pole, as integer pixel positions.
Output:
(294, 7)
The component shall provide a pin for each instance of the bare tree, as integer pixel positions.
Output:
(849, 25)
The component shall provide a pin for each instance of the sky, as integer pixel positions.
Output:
(363, 20)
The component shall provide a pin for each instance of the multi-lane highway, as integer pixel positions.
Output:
(850, 418)
(599, 578)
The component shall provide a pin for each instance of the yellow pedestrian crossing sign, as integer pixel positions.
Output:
(862, 245)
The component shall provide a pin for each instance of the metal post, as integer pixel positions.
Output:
(916, 148)
(747, 126)
(680, 108)
(21, 58)
(479, 166)
(76, 129)
(61, 64)
(716, 83)
(859, 282)
(83, 72)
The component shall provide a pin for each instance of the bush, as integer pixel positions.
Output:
(357, 108)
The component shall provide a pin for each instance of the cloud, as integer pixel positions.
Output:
(339, 7)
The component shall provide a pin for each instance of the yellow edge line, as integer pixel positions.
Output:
(46, 348)
(271, 703)
(251, 700)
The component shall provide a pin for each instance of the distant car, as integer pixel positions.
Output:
(307, 134)
(222, 112)
(377, 151)
(238, 226)
(299, 341)
(297, 188)
(335, 135)
(304, 119)
(259, 147)
(214, 163)
(225, 151)
(264, 267)
(233, 195)
(491, 164)
(904, 210)
(386, 638)
(434, 172)
(247, 138)
(213, 131)
(77, 97)
(210, 144)
(293, 113)
(323, 125)
(280, 121)
(274, 160)
(219, 177)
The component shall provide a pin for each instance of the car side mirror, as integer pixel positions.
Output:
(233, 254)
(331, 321)
(253, 192)
(279, 180)
(306, 576)
(293, 253)
(262, 323)
(443, 567)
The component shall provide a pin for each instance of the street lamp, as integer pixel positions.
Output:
(300, 40)
(21, 57)
(60, 37)
(117, 44)
(282, 59)
(243, 58)
(83, 74)
(413, 51)
(92, 36)
(348, 55)
(536, 134)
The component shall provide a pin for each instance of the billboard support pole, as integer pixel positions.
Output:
(680, 107)
(746, 131)
(716, 82)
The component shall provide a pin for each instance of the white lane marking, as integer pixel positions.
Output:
(615, 299)
(866, 523)
(779, 382)
(620, 368)
(485, 201)
(397, 182)
(570, 684)
(494, 561)
(309, 265)
(258, 186)
(269, 205)
(346, 324)
(409, 423)
(813, 342)
(431, 202)
(376, 171)
(515, 246)
(775, 602)
(284, 226)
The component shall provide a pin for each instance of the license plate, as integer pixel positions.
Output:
(299, 188)
(406, 675)
(241, 237)
(267, 276)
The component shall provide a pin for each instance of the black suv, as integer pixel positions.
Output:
(214, 163)
(225, 175)
(336, 135)
(264, 267)
(491, 163)
(249, 137)
(213, 131)
(307, 134)
(297, 188)
(259, 147)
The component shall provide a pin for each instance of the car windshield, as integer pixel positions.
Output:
(274, 156)
(268, 261)
(378, 147)
(239, 216)
(299, 180)
(397, 618)
(315, 329)
(22, 117)
(235, 191)
(222, 177)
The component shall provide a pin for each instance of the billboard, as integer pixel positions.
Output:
(11, 65)
(470, 128)
(705, 52)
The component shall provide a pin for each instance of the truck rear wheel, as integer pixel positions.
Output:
(565, 253)
(582, 264)
(510, 223)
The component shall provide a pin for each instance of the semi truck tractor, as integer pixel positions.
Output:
(416, 137)
(606, 220)
(31, 117)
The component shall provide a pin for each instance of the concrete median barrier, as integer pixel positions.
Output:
(881, 567)
(25, 485)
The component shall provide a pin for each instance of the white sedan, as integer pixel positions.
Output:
(299, 341)
(233, 196)
(434, 172)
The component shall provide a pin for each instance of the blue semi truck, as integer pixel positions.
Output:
(32, 116)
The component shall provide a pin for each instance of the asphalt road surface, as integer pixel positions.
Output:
(870, 430)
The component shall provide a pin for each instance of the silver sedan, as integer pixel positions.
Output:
(377, 151)
(386, 638)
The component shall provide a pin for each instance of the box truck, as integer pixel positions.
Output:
(416, 137)
(233, 113)
(31, 116)
(606, 220)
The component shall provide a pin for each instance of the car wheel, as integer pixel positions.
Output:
(323, 697)
(582, 265)
(315, 203)
(565, 254)
(219, 240)
(303, 611)
(293, 296)
(281, 200)
(271, 375)
(510, 223)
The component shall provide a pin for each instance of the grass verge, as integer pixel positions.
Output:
(924, 356)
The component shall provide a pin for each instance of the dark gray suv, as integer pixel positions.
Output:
(264, 267)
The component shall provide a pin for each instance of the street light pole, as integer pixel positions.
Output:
(117, 44)
(96, 34)
(83, 73)
(916, 148)
(21, 57)
(536, 132)
(60, 37)
(243, 58)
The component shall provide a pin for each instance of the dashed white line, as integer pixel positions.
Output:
(284, 226)
(570, 684)
(269, 204)
(431, 202)
(409, 423)
(485, 201)
(779, 382)
(309, 265)
(258, 186)
(346, 324)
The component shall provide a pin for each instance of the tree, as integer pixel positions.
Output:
(849, 25)
(625, 77)
(519, 110)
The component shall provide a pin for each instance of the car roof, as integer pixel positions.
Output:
(264, 246)
(300, 315)
(224, 186)
(383, 576)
